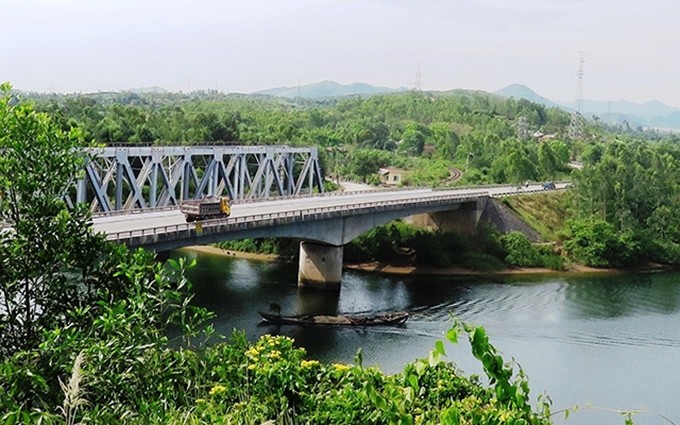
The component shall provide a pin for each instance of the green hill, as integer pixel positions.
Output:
(326, 89)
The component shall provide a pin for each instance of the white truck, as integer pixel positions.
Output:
(209, 208)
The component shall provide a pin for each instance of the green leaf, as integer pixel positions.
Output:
(439, 348)
(433, 359)
(413, 380)
(420, 366)
(408, 394)
(452, 335)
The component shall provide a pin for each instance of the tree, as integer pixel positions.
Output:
(365, 163)
(561, 152)
(597, 243)
(413, 139)
(50, 260)
(520, 251)
(521, 166)
(444, 139)
(547, 161)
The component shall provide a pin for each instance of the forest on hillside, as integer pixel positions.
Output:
(625, 208)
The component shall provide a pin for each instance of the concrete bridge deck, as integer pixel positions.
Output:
(324, 223)
(138, 229)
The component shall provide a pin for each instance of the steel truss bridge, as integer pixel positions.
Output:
(131, 178)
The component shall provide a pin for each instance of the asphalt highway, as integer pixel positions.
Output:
(148, 220)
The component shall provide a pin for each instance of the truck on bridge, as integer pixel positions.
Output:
(209, 208)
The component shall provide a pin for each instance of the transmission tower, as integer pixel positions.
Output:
(577, 122)
(417, 85)
(522, 128)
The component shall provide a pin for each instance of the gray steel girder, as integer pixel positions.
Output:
(134, 178)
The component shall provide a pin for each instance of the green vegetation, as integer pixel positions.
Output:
(629, 177)
(544, 212)
(626, 205)
(428, 134)
(85, 324)
(50, 262)
(283, 248)
(404, 244)
(520, 252)
(90, 325)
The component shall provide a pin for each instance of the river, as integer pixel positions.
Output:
(598, 342)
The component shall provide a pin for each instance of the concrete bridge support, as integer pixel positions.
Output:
(462, 220)
(320, 266)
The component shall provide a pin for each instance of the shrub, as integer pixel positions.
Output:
(520, 252)
(596, 243)
(482, 262)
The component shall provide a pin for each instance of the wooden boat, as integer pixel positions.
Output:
(391, 318)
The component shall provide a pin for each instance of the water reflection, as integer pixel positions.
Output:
(611, 341)
(624, 295)
(313, 301)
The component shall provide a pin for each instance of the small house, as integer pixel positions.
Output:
(391, 176)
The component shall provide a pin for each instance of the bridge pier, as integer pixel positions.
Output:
(320, 266)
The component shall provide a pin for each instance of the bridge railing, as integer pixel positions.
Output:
(512, 190)
(306, 214)
(264, 199)
(134, 211)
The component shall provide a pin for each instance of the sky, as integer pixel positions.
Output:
(630, 47)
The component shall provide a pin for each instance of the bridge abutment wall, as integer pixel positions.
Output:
(462, 220)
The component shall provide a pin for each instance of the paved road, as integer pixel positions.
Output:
(149, 220)
(355, 187)
(123, 223)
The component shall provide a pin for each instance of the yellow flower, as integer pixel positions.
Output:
(251, 367)
(252, 352)
(305, 364)
(470, 402)
(340, 367)
(504, 416)
(217, 389)
(275, 354)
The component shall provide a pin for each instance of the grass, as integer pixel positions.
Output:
(545, 212)
(73, 392)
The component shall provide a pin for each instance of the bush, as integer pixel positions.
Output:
(400, 243)
(553, 261)
(271, 380)
(482, 262)
(520, 251)
(596, 243)
(391, 242)
(664, 252)
(285, 248)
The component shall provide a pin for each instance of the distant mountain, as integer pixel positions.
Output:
(653, 114)
(143, 90)
(519, 91)
(327, 89)
(647, 110)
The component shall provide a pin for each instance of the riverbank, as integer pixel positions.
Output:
(209, 249)
(384, 268)
(375, 267)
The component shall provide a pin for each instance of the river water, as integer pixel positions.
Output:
(598, 342)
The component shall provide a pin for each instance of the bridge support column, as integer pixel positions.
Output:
(320, 266)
